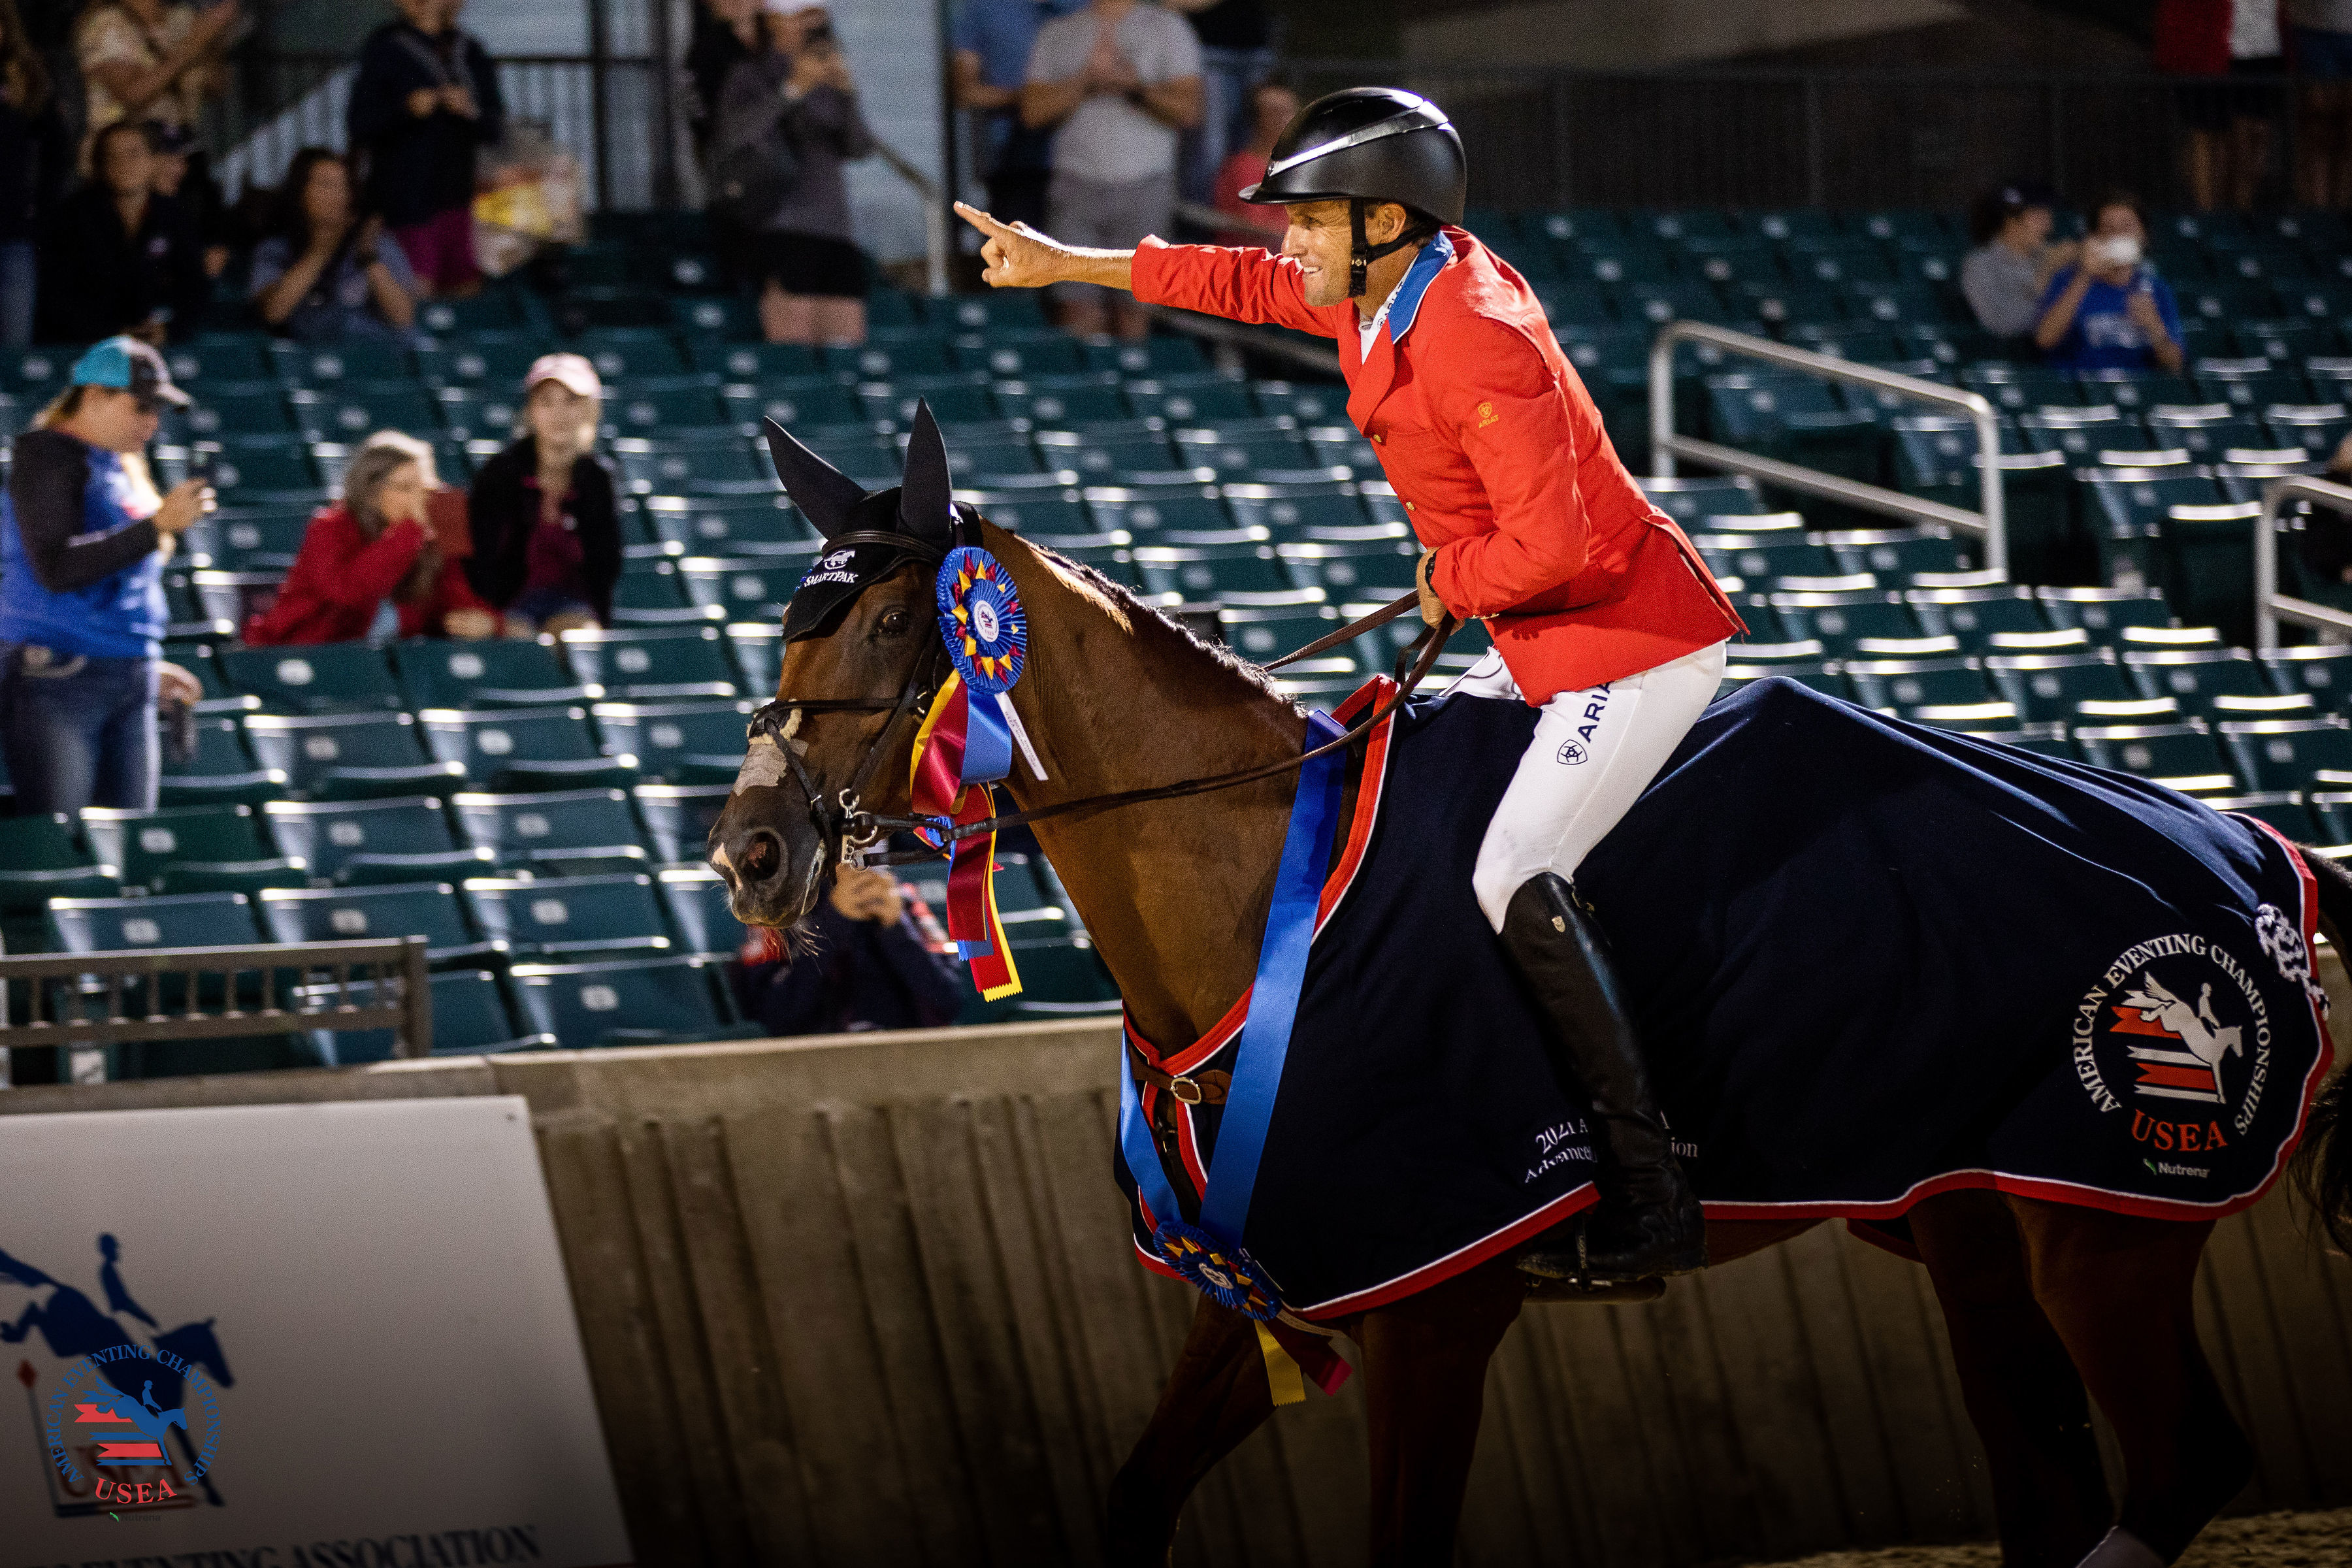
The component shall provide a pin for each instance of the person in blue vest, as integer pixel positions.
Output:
(83, 537)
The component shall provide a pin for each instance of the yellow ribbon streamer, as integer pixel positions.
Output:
(1283, 1378)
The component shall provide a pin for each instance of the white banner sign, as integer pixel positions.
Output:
(291, 1336)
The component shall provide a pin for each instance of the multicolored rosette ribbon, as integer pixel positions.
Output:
(1225, 1273)
(966, 745)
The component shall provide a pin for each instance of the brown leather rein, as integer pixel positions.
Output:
(844, 827)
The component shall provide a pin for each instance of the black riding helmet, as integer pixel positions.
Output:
(1369, 144)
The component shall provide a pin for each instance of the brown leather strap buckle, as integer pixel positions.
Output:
(1203, 1088)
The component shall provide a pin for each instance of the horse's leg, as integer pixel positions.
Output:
(2117, 1288)
(2024, 1396)
(1216, 1395)
(1425, 1379)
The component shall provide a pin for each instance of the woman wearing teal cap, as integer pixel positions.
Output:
(83, 536)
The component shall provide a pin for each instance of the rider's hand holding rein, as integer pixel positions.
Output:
(1015, 256)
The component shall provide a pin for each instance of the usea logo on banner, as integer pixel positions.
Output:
(126, 1415)
(2178, 1034)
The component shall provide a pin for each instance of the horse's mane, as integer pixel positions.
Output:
(1138, 610)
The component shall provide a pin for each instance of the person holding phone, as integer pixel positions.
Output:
(2110, 310)
(327, 272)
(424, 102)
(83, 537)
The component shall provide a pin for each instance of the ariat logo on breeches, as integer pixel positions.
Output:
(1578, 747)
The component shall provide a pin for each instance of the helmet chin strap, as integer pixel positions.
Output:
(1362, 253)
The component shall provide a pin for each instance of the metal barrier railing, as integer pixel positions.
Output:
(83, 999)
(2271, 606)
(1990, 523)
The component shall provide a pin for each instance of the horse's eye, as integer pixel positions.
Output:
(894, 622)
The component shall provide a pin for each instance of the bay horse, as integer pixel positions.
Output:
(2049, 1306)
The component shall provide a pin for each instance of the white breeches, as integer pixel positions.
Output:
(1593, 753)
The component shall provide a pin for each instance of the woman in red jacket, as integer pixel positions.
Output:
(1602, 613)
(376, 544)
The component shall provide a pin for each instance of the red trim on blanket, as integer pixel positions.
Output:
(1452, 1263)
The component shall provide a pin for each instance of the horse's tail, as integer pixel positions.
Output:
(2322, 1167)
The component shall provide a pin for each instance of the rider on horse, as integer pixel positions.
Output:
(1603, 615)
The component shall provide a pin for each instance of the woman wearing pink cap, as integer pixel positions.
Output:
(547, 534)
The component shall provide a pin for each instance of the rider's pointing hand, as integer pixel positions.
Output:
(1016, 256)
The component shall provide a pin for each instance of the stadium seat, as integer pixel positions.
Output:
(2105, 613)
(221, 771)
(1691, 501)
(471, 1016)
(1241, 446)
(696, 899)
(717, 463)
(322, 677)
(1240, 573)
(352, 359)
(1840, 617)
(611, 1004)
(745, 362)
(1380, 567)
(519, 750)
(677, 742)
(801, 405)
(1974, 616)
(1101, 451)
(41, 858)
(496, 673)
(2317, 428)
(723, 525)
(2287, 753)
(887, 361)
(1263, 632)
(429, 910)
(1760, 557)
(1063, 402)
(1896, 553)
(2045, 686)
(2321, 670)
(486, 358)
(366, 842)
(1146, 511)
(630, 353)
(1058, 510)
(352, 411)
(653, 666)
(678, 818)
(1908, 683)
(650, 592)
(1289, 510)
(1805, 662)
(564, 833)
(356, 756)
(649, 406)
(141, 844)
(751, 589)
(758, 648)
(570, 917)
(2172, 753)
(2282, 809)
(244, 407)
(116, 925)
(2195, 677)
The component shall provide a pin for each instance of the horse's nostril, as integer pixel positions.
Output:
(763, 858)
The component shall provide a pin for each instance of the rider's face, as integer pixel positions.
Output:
(1319, 239)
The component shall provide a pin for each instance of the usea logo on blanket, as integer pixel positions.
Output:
(2177, 1035)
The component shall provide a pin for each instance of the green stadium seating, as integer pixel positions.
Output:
(2321, 670)
(650, 592)
(356, 756)
(1263, 632)
(244, 407)
(2105, 613)
(1908, 683)
(1146, 511)
(1691, 502)
(630, 353)
(1760, 557)
(1839, 618)
(2170, 752)
(1974, 616)
(570, 917)
(653, 405)
(653, 666)
(695, 898)
(41, 858)
(352, 411)
(246, 466)
(1894, 555)
(714, 525)
(364, 842)
(471, 1016)
(703, 465)
(677, 818)
(322, 677)
(499, 673)
(519, 750)
(1063, 402)
(116, 925)
(2045, 686)
(563, 833)
(677, 742)
(2195, 677)
(1101, 451)
(758, 651)
(1037, 512)
(2287, 753)
(2282, 809)
(747, 361)
(429, 910)
(1237, 574)
(221, 771)
(141, 844)
(1240, 446)
(589, 1005)
(1805, 662)
(355, 359)
(801, 404)
(1375, 566)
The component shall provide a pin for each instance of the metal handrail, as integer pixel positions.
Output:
(2271, 606)
(935, 217)
(287, 972)
(1991, 523)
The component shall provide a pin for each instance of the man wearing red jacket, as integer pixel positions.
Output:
(1602, 613)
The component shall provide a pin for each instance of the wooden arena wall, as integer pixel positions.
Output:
(870, 1300)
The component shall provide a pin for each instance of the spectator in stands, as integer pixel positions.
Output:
(2005, 276)
(546, 531)
(184, 175)
(1120, 81)
(150, 61)
(2319, 44)
(121, 258)
(83, 536)
(867, 967)
(993, 40)
(1273, 105)
(2109, 311)
(794, 106)
(726, 34)
(326, 273)
(36, 155)
(374, 560)
(424, 103)
(2232, 53)
(1236, 53)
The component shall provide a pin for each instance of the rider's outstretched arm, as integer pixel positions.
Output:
(1240, 285)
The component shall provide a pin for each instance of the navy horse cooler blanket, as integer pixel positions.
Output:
(1870, 963)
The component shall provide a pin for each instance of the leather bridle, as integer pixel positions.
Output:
(843, 825)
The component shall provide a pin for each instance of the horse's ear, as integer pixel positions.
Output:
(926, 506)
(824, 494)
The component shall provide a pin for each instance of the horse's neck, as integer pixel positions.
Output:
(1174, 892)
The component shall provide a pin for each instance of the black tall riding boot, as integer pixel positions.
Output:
(1648, 1222)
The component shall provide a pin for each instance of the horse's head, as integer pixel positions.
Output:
(862, 652)
(195, 1342)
